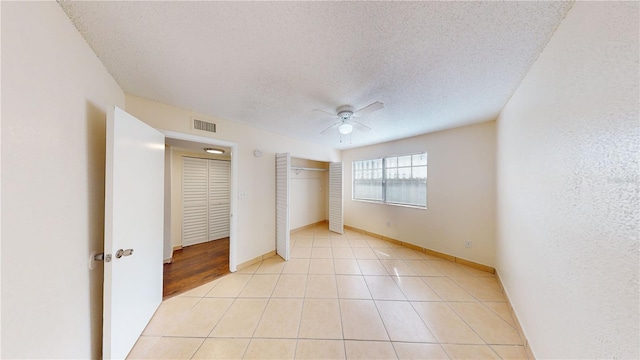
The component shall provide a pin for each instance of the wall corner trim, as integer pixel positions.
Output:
(516, 320)
(461, 261)
(255, 260)
(321, 222)
(444, 256)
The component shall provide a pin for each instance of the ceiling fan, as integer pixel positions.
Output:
(346, 118)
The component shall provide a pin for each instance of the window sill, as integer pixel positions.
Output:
(391, 204)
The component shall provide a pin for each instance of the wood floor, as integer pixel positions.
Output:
(195, 265)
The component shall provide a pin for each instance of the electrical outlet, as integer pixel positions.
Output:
(242, 195)
(467, 244)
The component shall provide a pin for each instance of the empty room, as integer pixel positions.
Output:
(389, 180)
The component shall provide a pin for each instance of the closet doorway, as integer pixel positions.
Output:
(308, 193)
(309, 189)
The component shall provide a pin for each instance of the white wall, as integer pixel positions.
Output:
(568, 145)
(177, 155)
(460, 193)
(308, 195)
(256, 176)
(54, 96)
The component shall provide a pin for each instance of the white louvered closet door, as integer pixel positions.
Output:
(283, 172)
(219, 195)
(335, 198)
(195, 222)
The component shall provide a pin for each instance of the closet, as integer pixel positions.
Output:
(205, 200)
(308, 192)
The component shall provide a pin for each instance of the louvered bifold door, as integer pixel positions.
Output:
(335, 198)
(219, 172)
(283, 172)
(194, 201)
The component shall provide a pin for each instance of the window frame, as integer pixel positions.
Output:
(383, 185)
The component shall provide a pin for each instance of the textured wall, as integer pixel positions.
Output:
(568, 210)
(460, 193)
(55, 93)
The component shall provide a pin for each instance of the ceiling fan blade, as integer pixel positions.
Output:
(369, 108)
(330, 128)
(318, 112)
(360, 126)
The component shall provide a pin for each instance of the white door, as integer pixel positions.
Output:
(134, 219)
(283, 172)
(205, 200)
(335, 198)
(219, 195)
(195, 218)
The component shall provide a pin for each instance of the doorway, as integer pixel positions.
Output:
(316, 194)
(195, 265)
(205, 261)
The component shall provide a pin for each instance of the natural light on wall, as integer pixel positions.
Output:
(397, 180)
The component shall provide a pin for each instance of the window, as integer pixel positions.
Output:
(400, 180)
(367, 180)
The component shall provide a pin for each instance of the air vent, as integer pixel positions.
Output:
(204, 125)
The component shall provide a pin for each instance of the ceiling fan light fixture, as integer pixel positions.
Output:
(214, 151)
(345, 129)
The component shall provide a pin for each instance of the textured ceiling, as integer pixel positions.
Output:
(434, 65)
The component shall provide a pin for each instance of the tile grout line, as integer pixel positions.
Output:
(375, 304)
(339, 299)
(344, 343)
(205, 338)
(477, 300)
(304, 303)
(231, 305)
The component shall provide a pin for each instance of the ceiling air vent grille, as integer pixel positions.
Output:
(204, 125)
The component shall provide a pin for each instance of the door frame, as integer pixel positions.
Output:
(232, 191)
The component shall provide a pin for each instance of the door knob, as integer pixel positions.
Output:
(120, 253)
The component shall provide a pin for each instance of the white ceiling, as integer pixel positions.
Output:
(434, 65)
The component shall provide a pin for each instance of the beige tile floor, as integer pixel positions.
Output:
(339, 297)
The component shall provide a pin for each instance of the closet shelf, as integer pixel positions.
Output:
(298, 169)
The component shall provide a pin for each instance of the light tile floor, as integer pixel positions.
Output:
(339, 297)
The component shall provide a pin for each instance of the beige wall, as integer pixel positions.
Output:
(460, 194)
(176, 189)
(568, 145)
(567, 176)
(55, 93)
(256, 176)
(308, 193)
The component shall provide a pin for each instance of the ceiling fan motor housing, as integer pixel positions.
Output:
(345, 112)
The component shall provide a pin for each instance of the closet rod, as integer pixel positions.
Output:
(297, 169)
